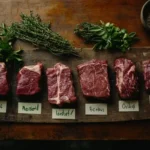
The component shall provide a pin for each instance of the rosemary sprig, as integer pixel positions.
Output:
(33, 30)
(105, 36)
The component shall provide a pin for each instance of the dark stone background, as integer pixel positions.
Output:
(74, 145)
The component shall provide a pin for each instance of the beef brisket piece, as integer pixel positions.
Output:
(4, 88)
(94, 79)
(28, 80)
(126, 79)
(146, 69)
(60, 86)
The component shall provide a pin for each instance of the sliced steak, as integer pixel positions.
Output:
(60, 85)
(126, 79)
(146, 69)
(4, 88)
(28, 80)
(94, 79)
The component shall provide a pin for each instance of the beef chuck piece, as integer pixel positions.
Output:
(94, 79)
(4, 88)
(60, 86)
(28, 80)
(126, 79)
(146, 68)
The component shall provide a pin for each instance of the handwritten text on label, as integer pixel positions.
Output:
(29, 108)
(125, 106)
(63, 113)
(96, 109)
(3, 106)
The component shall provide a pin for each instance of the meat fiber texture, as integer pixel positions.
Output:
(94, 79)
(126, 79)
(60, 85)
(4, 87)
(146, 73)
(28, 80)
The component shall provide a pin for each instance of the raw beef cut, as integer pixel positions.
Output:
(60, 85)
(94, 79)
(28, 80)
(4, 88)
(146, 68)
(126, 79)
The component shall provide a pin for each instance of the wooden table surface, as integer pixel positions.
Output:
(64, 15)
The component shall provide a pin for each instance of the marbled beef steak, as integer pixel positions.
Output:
(94, 79)
(146, 73)
(28, 80)
(4, 88)
(60, 85)
(126, 79)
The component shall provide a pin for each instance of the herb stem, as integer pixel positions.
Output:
(33, 30)
(105, 36)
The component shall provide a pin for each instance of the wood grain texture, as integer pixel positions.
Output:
(4, 131)
(30, 57)
(103, 131)
(64, 15)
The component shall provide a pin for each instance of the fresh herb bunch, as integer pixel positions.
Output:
(7, 53)
(33, 30)
(106, 36)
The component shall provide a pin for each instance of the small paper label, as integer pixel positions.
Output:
(96, 109)
(63, 113)
(29, 108)
(3, 106)
(127, 106)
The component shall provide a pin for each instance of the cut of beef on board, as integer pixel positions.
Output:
(126, 79)
(60, 85)
(146, 73)
(4, 88)
(28, 79)
(94, 79)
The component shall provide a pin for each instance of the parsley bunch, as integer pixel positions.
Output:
(106, 36)
(7, 53)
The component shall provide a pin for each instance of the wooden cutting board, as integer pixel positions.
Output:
(31, 57)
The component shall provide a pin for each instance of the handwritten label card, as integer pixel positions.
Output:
(127, 106)
(3, 106)
(96, 109)
(29, 108)
(63, 113)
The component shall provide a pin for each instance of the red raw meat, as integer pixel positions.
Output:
(126, 79)
(146, 68)
(28, 80)
(60, 86)
(4, 88)
(94, 79)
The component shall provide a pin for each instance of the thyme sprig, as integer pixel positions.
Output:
(33, 30)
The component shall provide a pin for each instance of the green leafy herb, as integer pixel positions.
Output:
(106, 36)
(7, 53)
(33, 30)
